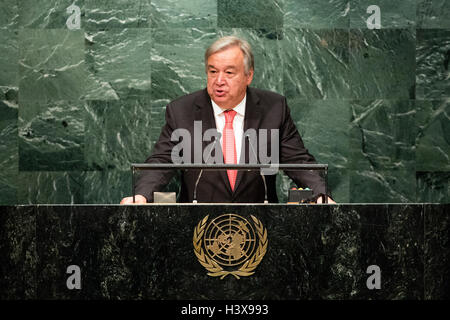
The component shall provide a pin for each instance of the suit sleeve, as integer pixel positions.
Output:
(150, 181)
(293, 151)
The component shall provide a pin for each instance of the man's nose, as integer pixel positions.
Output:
(220, 78)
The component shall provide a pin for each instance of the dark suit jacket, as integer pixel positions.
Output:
(264, 110)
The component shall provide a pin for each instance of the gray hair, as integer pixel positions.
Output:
(228, 42)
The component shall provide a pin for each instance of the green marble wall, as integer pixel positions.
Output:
(77, 106)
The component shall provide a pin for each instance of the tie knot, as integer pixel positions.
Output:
(229, 116)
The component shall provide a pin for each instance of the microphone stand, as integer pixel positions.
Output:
(194, 200)
(262, 176)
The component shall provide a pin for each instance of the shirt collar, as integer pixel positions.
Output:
(240, 108)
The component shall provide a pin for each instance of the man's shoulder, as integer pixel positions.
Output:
(265, 94)
(188, 99)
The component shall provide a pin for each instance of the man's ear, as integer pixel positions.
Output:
(249, 77)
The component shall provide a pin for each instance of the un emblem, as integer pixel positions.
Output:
(230, 244)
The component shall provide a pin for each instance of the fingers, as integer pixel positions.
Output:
(127, 200)
(330, 201)
(138, 200)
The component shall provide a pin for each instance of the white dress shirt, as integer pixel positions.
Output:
(238, 123)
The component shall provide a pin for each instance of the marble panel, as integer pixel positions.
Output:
(433, 136)
(318, 14)
(184, 13)
(433, 14)
(316, 63)
(432, 59)
(50, 187)
(117, 14)
(45, 14)
(9, 67)
(118, 63)
(9, 15)
(51, 136)
(433, 187)
(51, 65)
(436, 251)
(250, 14)
(383, 135)
(382, 63)
(9, 153)
(393, 14)
(118, 133)
(18, 253)
(382, 186)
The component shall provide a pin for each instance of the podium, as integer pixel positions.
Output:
(264, 169)
(147, 252)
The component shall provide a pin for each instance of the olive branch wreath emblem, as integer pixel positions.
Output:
(215, 270)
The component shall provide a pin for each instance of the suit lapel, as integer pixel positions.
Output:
(204, 113)
(252, 120)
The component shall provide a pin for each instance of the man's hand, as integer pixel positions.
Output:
(138, 200)
(330, 201)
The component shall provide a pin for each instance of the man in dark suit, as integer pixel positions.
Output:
(231, 107)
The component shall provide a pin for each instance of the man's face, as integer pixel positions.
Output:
(227, 81)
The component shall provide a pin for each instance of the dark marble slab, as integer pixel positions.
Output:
(18, 258)
(403, 245)
(436, 252)
(146, 252)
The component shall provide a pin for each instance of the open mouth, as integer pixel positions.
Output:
(220, 93)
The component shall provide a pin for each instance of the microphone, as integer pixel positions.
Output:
(262, 176)
(201, 171)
